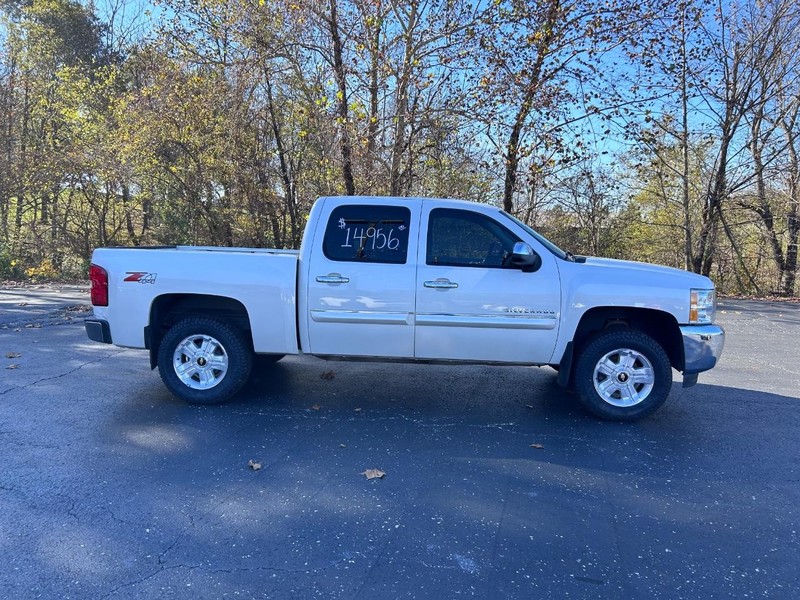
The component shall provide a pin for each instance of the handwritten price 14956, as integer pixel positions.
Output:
(380, 240)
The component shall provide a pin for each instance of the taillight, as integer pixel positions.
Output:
(99, 278)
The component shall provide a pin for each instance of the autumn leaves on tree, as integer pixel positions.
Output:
(645, 130)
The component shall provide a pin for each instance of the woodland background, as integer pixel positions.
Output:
(641, 129)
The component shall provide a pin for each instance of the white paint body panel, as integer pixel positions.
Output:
(385, 310)
(605, 282)
(494, 315)
(262, 280)
(372, 314)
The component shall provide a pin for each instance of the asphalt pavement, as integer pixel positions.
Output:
(496, 484)
(39, 305)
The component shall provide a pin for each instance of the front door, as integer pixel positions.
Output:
(361, 283)
(472, 305)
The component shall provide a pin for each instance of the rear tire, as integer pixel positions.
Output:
(623, 375)
(203, 360)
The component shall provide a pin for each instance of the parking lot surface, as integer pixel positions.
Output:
(496, 485)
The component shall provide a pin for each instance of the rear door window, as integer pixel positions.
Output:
(367, 233)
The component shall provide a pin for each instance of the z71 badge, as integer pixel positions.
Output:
(140, 277)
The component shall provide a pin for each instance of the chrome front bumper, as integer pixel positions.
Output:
(702, 347)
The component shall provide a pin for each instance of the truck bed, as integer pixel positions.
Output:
(262, 280)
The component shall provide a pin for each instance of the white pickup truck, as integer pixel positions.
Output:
(410, 279)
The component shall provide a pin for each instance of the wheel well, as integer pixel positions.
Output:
(659, 325)
(168, 309)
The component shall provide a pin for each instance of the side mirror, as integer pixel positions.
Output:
(523, 257)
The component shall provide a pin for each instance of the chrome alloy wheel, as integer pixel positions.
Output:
(200, 362)
(623, 377)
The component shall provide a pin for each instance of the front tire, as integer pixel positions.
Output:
(623, 375)
(203, 360)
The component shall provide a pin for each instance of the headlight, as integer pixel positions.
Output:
(702, 306)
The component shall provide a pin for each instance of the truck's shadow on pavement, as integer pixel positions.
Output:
(522, 400)
(489, 473)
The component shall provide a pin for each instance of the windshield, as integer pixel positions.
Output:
(539, 237)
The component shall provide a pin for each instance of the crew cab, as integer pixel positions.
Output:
(409, 279)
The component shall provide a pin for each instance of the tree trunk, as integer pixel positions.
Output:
(19, 173)
(738, 253)
(764, 210)
(792, 217)
(512, 162)
(45, 214)
(287, 176)
(688, 244)
(372, 127)
(401, 107)
(8, 148)
(126, 207)
(713, 206)
(147, 209)
(342, 106)
(55, 249)
(531, 89)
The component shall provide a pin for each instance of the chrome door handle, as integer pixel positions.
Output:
(332, 278)
(440, 284)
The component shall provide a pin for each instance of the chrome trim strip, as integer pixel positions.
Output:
(487, 321)
(353, 316)
(702, 347)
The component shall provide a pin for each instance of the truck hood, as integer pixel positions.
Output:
(648, 272)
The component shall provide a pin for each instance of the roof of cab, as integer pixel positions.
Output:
(455, 202)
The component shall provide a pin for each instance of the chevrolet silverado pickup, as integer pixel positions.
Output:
(409, 279)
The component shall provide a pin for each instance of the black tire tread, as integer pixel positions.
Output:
(606, 341)
(240, 359)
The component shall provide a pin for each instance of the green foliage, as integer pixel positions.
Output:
(226, 121)
(9, 267)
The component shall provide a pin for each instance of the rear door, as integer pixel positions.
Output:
(471, 305)
(361, 278)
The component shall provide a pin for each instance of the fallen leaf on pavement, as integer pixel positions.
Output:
(254, 465)
(78, 308)
(13, 354)
(538, 446)
(328, 375)
(373, 474)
